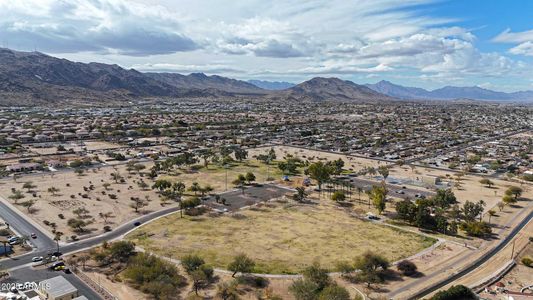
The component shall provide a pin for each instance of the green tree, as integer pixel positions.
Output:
(250, 177)
(28, 204)
(29, 186)
(241, 264)
(406, 210)
(192, 262)
(319, 172)
(486, 182)
(304, 290)
(162, 184)
(121, 251)
(444, 198)
(383, 171)
(378, 194)
(338, 196)
(455, 292)
(77, 225)
(228, 290)
(300, 194)
(514, 191)
(240, 181)
(371, 267)
(334, 292)
(318, 275)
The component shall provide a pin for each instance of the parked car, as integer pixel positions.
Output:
(37, 258)
(59, 268)
(400, 192)
(57, 264)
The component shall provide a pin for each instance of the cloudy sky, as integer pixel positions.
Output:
(425, 43)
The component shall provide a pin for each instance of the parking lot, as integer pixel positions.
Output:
(398, 191)
(236, 199)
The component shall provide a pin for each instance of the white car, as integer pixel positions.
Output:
(37, 258)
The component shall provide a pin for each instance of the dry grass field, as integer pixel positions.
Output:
(281, 238)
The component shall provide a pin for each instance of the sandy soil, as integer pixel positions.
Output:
(49, 206)
(351, 162)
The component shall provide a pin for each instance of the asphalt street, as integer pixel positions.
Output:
(24, 227)
(20, 266)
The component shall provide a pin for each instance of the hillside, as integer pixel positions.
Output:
(326, 89)
(448, 93)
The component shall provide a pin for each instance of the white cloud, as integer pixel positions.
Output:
(100, 26)
(514, 37)
(523, 49)
(254, 38)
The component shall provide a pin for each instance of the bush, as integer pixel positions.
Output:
(455, 292)
(146, 272)
(477, 229)
(4, 232)
(195, 211)
(334, 292)
(191, 262)
(527, 261)
(407, 268)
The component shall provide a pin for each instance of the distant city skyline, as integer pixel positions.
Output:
(419, 43)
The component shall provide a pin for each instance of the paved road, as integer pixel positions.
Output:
(20, 267)
(23, 227)
(83, 244)
(394, 189)
(32, 275)
(469, 268)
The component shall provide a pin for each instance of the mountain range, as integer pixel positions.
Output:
(272, 85)
(33, 78)
(447, 93)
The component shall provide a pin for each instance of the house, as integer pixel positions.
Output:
(23, 167)
(58, 288)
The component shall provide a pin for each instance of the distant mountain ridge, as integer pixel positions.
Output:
(327, 89)
(272, 85)
(34, 77)
(448, 93)
(202, 81)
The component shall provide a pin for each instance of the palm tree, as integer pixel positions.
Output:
(195, 187)
(492, 213)
(359, 191)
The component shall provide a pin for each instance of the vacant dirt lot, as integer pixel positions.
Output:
(74, 192)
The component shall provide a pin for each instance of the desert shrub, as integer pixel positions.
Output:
(455, 292)
(407, 268)
(146, 272)
(527, 261)
(195, 211)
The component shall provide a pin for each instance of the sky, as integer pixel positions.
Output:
(422, 43)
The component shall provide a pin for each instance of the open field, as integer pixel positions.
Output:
(351, 162)
(215, 175)
(281, 238)
(71, 195)
(470, 188)
(48, 207)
